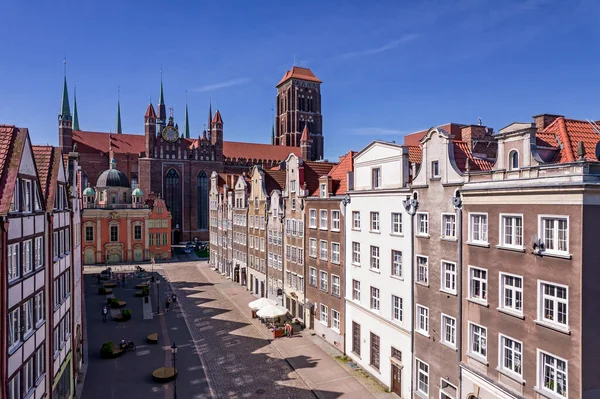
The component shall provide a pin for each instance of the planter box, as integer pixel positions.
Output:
(278, 333)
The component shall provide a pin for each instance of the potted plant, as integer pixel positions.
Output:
(102, 291)
(126, 314)
(106, 351)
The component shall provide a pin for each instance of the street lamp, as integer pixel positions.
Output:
(174, 352)
(157, 296)
(152, 270)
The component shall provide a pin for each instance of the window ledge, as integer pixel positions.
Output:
(450, 239)
(356, 264)
(421, 394)
(479, 244)
(449, 346)
(28, 334)
(514, 249)
(422, 236)
(478, 358)
(552, 326)
(511, 313)
(556, 255)
(400, 278)
(513, 376)
(375, 231)
(335, 230)
(397, 234)
(13, 349)
(375, 270)
(421, 283)
(445, 291)
(423, 333)
(548, 394)
(478, 302)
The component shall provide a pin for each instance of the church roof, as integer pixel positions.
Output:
(305, 134)
(150, 112)
(217, 118)
(299, 73)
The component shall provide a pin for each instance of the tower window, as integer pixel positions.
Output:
(513, 160)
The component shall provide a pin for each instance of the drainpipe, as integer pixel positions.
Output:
(457, 202)
(345, 203)
(411, 205)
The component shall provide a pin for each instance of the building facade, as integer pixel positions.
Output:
(275, 232)
(240, 230)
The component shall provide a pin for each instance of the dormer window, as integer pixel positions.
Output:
(435, 169)
(513, 160)
(293, 186)
(26, 195)
(376, 178)
(323, 190)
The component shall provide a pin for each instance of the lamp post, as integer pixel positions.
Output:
(152, 269)
(157, 296)
(174, 352)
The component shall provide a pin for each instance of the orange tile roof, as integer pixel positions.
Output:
(312, 171)
(565, 134)
(42, 155)
(299, 73)
(462, 153)
(274, 180)
(12, 142)
(7, 134)
(415, 154)
(414, 139)
(305, 134)
(339, 174)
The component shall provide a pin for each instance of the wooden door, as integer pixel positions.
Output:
(396, 380)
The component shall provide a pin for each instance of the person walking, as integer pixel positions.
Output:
(104, 313)
(174, 299)
(167, 304)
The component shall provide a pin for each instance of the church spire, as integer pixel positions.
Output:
(273, 134)
(162, 110)
(65, 110)
(186, 128)
(119, 131)
(75, 115)
(161, 100)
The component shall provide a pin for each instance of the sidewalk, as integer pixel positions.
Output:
(324, 374)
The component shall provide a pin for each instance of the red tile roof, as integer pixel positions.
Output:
(312, 171)
(274, 180)
(42, 155)
(415, 154)
(565, 134)
(414, 139)
(232, 149)
(339, 174)
(462, 153)
(150, 112)
(299, 73)
(305, 134)
(217, 118)
(12, 142)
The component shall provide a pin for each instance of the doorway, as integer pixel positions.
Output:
(396, 380)
(138, 254)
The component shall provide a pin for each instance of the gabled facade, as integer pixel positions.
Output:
(221, 239)
(275, 254)
(240, 230)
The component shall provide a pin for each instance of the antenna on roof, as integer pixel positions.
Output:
(594, 126)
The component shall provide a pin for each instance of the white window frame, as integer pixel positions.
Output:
(335, 255)
(448, 222)
(13, 263)
(323, 249)
(396, 220)
(356, 290)
(420, 372)
(502, 287)
(472, 279)
(312, 277)
(483, 341)
(426, 269)
(540, 374)
(27, 257)
(512, 156)
(422, 224)
(482, 233)
(355, 220)
(435, 169)
(422, 322)
(374, 222)
(324, 314)
(323, 222)
(323, 281)
(397, 309)
(541, 316)
(375, 302)
(323, 190)
(396, 266)
(356, 253)
(335, 220)
(312, 249)
(444, 331)
(502, 241)
(444, 383)
(452, 274)
(374, 259)
(11, 334)
(335, 287)
(541, 234)
(335, 321)
(376, 180)
(502, 356)
(312, 218)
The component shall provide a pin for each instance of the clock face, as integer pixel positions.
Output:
(170, 134)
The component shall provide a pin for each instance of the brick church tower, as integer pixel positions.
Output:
(299, 107)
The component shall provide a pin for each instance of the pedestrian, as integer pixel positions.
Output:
(123, 279)
(167, 304)
(104, 313)
(174, 299)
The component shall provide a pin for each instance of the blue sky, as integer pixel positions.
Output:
(389, 67)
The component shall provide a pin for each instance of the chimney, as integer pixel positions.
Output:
(543, 120)
(472, 133)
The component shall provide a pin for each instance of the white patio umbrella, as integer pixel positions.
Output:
(270, 311)
(259, 303)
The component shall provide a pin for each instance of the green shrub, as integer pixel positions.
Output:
(102, 291)
(126, 313)
(107, 350)
(145, 291)
(113, 302)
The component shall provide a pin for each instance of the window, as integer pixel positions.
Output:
(14, 328)
(14, 387)
(396, 263)
(114, 233)
(323, 250)
(449, 277)
(396, 308)
(335, 252)
(423, 224)
(552, 307)
(448, 330)
(40, 367)
(14, 271)
(300, 282)
(356, 220)
(478, 284)
(356, 253)
(511, 355)
(335, 320)
(323, 219)
(375, 221)
(554, 234)
(323, 318)
(323, 281)
(374, 258)
(312, 218)
(39, 307)
(449, 226)
(478, 340)
(374, 361)
(335, 285)
(293, 186)
(28, 319)
(56, 244)
(396, 223)
(356, 338)
(422, 377)
(27, 257)
(26, 195)
(396, 354)
(376, 178)
(511, 293)
(165, 222)
(374, 298)
(552, 373)
(323, 190)
(356, 290)
(422, 270)
(137, 232)
(435, 169)
(513, 160)
(512, 231)
(423, 320)
(478, 228)
(14, 204)
(335, 220)
(312, 248)
(28, 375)
(39, 252)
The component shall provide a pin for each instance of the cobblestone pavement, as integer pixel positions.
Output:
(238, 360)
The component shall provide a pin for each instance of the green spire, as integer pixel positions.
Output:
(186, 128)
(162, 98)
(65, 110)
(119, 131)
(75, 116)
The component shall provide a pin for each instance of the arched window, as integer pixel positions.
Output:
(202, 201)
(513, 160)
(173, 196)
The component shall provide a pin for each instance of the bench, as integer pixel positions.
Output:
(164, 374)
(152, 338)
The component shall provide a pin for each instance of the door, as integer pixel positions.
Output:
(138, 255)
(396, 380)
(90, 256)
(262, 289)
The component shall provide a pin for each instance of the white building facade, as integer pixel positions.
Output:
(378, 266)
